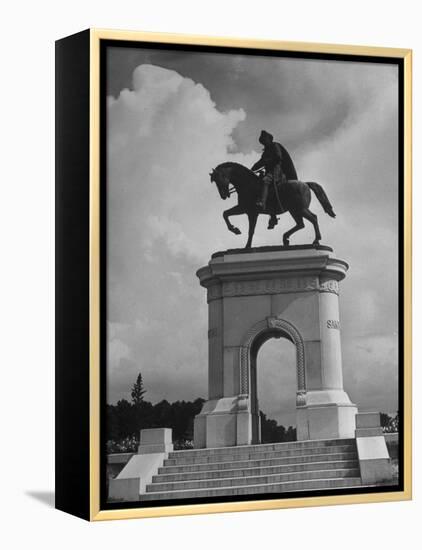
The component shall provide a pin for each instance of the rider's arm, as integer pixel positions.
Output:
(259, 164)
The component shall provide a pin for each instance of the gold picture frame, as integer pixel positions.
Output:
(91, 509)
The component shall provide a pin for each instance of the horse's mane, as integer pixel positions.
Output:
(236, 165)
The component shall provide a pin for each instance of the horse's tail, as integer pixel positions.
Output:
(322, 197)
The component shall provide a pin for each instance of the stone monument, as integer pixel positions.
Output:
(271, 292)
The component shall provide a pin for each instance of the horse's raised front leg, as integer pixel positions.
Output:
(235, 211)
(299, 225)
(252, 225)
(308, 215)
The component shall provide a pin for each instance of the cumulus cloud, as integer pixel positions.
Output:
(164, 136)
(303, 101)
(166, 131)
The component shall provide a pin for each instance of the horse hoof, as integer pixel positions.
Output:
(286, 242)
(315, 244)
(236, 231)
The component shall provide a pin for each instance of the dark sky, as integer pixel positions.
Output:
(173, 117)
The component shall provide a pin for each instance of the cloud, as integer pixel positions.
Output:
(303, 101)
(166, 132)
(117, 350)
(164, 136)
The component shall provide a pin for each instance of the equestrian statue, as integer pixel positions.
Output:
(271, 187)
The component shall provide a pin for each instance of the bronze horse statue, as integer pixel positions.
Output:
(289, 196)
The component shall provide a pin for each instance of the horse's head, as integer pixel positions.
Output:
(220, 177)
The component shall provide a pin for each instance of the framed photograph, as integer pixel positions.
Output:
(233, 274)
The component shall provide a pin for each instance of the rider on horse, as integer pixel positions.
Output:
(278, 167)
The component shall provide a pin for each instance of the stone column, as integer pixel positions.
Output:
(327, 411)
(329, 322)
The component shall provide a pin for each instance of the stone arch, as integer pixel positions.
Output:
(289, 331)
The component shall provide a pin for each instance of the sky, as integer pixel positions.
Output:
(172, 117)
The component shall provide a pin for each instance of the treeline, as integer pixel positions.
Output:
(125, 420)
(271, 432)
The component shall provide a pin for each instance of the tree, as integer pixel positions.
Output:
(389, 423)
(385, 419)
(126, 420)
(138, 391)
(290, 434)
(271, 432)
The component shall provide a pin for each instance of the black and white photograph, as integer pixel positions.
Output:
(210, 264)
(252, 285)
(211, 244)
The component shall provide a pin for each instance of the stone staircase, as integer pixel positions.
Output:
(256, 469)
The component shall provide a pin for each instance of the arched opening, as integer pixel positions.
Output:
(273, 388)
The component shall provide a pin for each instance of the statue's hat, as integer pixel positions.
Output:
(265, 134)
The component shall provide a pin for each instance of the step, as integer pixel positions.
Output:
(256, 463)
(253, 480)
(262, 447)
(254, 471)
(308, 485)
(250, 455)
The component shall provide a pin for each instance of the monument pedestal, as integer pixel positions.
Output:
(257, 294)
(327, 414)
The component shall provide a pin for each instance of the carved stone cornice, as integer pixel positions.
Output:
(276, 285)
(330, 285)
(277, 265)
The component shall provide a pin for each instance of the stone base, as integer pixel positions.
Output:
(228, 422)
(328, 414)
(131, 482)
(135, 476)
(326, 422)
(155, 440)
(224, 422)
(374, 460)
